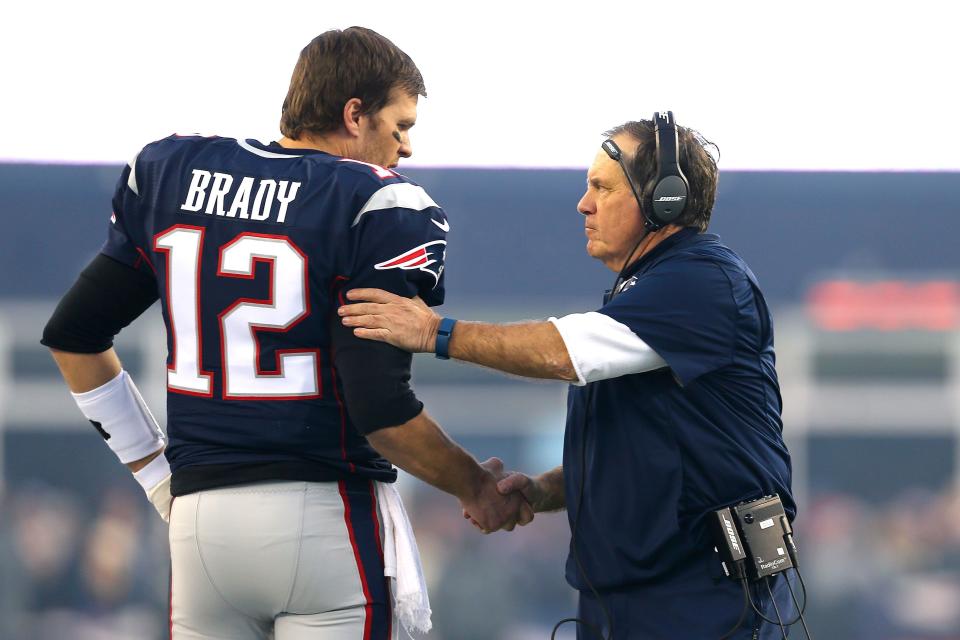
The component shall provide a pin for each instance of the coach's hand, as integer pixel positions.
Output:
(407, 323)
(490, 510)
(542, 493)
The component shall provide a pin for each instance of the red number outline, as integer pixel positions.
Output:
(256, 328)
(207, 375)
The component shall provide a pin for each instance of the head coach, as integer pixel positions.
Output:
(674, 408)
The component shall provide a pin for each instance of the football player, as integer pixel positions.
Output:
(281, 425)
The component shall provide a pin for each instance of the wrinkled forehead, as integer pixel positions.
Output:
(603, 168)
(606, 168)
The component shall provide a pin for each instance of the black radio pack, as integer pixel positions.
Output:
(754, 539)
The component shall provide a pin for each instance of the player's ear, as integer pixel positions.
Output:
(351, 116)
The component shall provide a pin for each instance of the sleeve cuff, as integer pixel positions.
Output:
(601, 348)
(563, 328)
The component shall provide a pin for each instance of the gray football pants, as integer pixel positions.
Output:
(280, 560)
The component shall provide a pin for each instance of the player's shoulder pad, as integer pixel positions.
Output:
(162, 150)
(178, 143)
(378, 189)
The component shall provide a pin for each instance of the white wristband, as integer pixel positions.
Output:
(154, 473)
(121, 416)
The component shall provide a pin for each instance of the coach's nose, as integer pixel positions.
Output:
(587, 205)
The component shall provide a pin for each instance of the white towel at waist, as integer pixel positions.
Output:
(401, 560)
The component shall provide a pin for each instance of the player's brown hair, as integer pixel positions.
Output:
(696, 162)
(337, 66)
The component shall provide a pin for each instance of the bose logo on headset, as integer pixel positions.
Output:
(671, 185)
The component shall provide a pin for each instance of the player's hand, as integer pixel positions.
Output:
(407, 323)
(161, 498)
(531, 489)
(490, 510)
(153, 474)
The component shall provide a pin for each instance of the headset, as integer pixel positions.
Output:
(669, 196)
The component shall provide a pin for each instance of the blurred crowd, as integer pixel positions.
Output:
(75, 566)
(95, 567)
(888, 571)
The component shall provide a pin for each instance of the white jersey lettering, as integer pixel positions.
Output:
(196, 193)
(221, 186)
(241, 201)
(239, 197)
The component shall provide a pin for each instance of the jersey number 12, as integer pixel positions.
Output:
(297, 370)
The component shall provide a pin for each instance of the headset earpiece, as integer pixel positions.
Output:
(646, 209)
(669, 196)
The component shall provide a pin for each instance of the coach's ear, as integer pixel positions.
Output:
(351, 116)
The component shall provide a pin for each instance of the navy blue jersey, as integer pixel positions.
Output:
(253, 246)
(664, 448)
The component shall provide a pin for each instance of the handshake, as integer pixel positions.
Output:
(500, 499)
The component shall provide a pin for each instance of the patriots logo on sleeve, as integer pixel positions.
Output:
(420, 258)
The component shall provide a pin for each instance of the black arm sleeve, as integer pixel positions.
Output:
(375, 378)
(106, 297)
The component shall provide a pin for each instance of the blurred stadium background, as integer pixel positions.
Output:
(868, 338)
(847, 214)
